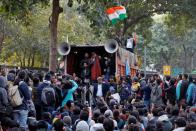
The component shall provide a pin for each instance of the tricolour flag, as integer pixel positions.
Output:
(116, 13)
(112, 14)
(121, 11)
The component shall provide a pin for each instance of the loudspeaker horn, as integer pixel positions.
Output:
(64, 49)
(111, 46)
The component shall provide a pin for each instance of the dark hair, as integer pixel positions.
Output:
(133, 127)
(116, 114)
(175, 112)
(96, 115)
(22, 75)
(101, 119)
(141, 111)
(190, 79)
(103, 109)
(36, 80)
(190, 126)
(42, 125)
(185, 76)
(180, 122)
(32, 125)
(136, 114)
(159, 125)
(158, 81)
(84, 115)
(180, 76)
(172, 81)
(58, 125)
(68, 104)
(108, 124)
(167, 78)
(46, 116)
(142, 74)
(6, 122)
(132, 120)
(151, 127)
(156, 111)
(76, 110)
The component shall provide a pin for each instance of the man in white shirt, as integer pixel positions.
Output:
(100, 89)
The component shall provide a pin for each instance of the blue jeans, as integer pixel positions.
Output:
(147, 104)
(21, 117)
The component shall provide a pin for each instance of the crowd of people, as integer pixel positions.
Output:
(32, 101)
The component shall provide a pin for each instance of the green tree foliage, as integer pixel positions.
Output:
(27, 45)
(139, 11)
(167, 48)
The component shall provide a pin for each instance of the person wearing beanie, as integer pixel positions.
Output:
(10, 80)
(108, 114)
(3, 96)
(67, 122)
(11, 77)
(82, 126)
(97, 127)
(3, 82)
(166, 124)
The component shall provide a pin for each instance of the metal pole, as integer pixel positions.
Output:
(145, 60)
(65, 65)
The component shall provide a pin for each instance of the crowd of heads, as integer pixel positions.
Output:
(128, 103)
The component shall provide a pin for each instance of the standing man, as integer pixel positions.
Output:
(85, 66)
(100, 88)
(21, 111)
(178, 86)
(156, 93)
(46, 94)
(183, 89)
(142, 81)
(95, 67)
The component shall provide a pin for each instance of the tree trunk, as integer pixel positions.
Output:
(33, 60)
(1, 41)
(56, 10)
(29, 60)
(185, 58)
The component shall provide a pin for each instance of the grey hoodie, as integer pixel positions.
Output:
(3, 92)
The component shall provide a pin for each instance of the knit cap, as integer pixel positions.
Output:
(82, 126)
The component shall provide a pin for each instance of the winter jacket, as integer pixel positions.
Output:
(40, 88)
(124, 92)
(3, 98)
(25, 93)
(146, 91)
(189, 92)
(178, 87)
(183, 89)
(167, 126)
(105, 89)
(194, 95)
(156, 95)
(70, 92)
(171, 92)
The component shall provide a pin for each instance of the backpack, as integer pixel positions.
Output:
(15, 96)
(48, 96)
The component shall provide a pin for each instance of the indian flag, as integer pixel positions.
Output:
(116, 13)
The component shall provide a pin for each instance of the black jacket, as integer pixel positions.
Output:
(105, 89)
(183, 89)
